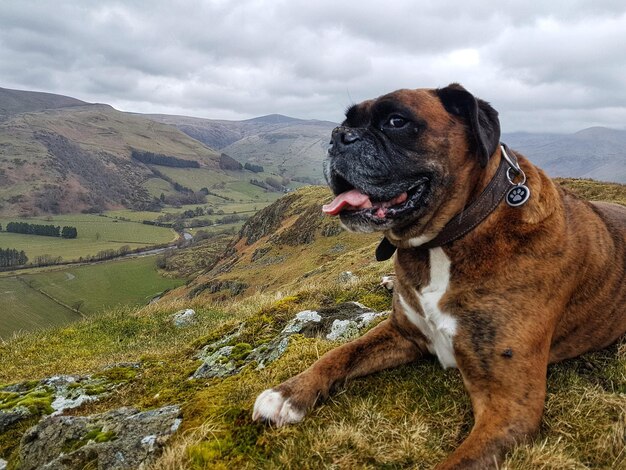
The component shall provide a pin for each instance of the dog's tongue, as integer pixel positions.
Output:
(354, 198)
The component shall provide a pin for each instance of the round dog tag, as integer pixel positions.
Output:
(517, 195)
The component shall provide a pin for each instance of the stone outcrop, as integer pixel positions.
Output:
(339, 322)
(53, 395)
(119, 439)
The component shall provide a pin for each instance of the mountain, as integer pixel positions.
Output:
(61, 155)
(285, 145)
(596, 152)
(296, 147)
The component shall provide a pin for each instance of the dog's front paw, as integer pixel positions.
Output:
(274, 407)
(388, 281)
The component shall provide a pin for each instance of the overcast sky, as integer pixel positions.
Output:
(557, 65)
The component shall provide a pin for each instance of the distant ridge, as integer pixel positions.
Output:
(286, 145)
(595, 152)
(274, 119)
(20, 101)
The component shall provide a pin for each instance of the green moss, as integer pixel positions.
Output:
(243, 441)
(96, 389)
(118, 375)
(378, 301)
(93, 435)
(38, 402)
(241, 351)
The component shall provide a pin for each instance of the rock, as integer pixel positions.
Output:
(217, 364)
(185, 317)
(3, 464)
(338, 322)
(269, 352)
(347, 277)
(301, 319)
(9, 418)
(119, 439)
(53, 395)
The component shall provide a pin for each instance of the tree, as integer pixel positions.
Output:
(69, 232)
(11, 257)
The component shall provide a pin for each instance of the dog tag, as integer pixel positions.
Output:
(517, 195)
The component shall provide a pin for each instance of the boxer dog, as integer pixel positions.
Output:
(499, 272)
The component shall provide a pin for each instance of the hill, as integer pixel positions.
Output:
(61, 155)
(296, 147)
(288, 146)
(597, 152)
(18, 101)
(285, 260)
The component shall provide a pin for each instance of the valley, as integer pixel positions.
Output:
(128, 185)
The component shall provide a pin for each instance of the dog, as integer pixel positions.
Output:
(499, 272)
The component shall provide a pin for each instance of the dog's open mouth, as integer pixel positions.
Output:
(354, 201)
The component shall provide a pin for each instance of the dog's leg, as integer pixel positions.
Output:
(381, 348)
(508, 393)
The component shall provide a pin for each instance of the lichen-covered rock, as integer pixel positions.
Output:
(185, 317)
(119, 439)
(53, 395)
(217, 364)
(9, 418)
(338, 322)
(301, 319)
(347, 277)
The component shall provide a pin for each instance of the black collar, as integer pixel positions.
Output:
(475, 213)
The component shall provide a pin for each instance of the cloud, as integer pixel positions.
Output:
(554, 66)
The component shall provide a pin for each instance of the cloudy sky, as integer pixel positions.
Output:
(556, 65)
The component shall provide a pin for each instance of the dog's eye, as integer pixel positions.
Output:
(396, 122)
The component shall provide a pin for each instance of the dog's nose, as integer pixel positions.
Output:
(344, 136)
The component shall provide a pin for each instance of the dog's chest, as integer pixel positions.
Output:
(438, 326)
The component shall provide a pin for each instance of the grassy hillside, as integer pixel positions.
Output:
(281, 144)
(291, 259)
(69, 159)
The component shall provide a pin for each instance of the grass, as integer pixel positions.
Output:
(236, 187)
(409, 417)
(104, 285)
(24, 309)
(595, 190)
(95, 234)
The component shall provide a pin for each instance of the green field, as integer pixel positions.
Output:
(95, 233)
(92, 288)
(24, 309)
(104, 285)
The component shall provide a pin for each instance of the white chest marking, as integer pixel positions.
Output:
(438, 326)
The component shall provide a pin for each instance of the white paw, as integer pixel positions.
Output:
(387, 282)
(271, 406)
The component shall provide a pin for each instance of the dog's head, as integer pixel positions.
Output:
(406, 162)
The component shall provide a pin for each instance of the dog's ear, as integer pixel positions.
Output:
(481, 118)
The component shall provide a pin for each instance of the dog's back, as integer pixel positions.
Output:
(595, 315)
